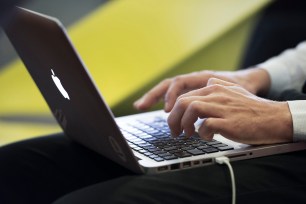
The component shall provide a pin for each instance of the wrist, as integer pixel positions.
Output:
(257, 81)
(277, 123)
(286, 126)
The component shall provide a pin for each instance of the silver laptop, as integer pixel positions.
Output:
(141, 142)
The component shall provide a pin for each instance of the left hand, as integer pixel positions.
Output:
(233, 112)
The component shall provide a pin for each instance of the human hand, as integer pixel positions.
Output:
(233, 112)
(255, 80)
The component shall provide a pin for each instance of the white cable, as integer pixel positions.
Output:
(225, 160)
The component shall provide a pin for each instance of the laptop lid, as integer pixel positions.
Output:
(64, 82)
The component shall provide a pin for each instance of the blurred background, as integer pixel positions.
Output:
(128, 46)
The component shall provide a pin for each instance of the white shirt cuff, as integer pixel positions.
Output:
(287, 71)
(298, 113)
(279, 76)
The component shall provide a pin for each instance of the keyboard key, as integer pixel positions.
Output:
(148, 147)
(145, 136)
(148, 153)
(144, 145)
(165, 154)
(182, 154)
(152, 139)
(203, 147)
(158, 134)
(132, 145)
(137, 148)
(213, 143)
(153, 156)
(219, 145)
(135, 140)
(175, 151)
(225, 148)
(203, 142)
(152, 132)
(187, 148)
(196, 145)
(170, 148)
(132, 137)
(170, 157)
(153, 149)
(158, 159)
(195, 151)
(142, 151)
(160, 152)
(210, 150)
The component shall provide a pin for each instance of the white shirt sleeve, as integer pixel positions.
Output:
(288, 71)
(298, 112)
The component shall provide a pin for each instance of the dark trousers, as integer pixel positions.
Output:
(42, 170)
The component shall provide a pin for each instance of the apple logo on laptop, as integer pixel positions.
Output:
(59, 85)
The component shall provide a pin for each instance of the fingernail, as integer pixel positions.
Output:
(135, 104)
(167, 107)
(138, 102)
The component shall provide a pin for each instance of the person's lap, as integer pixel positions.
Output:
(42, 170)
(279, 178)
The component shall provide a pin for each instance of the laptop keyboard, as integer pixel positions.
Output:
(154, 140)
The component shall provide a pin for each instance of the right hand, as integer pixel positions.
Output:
(233, 112)
(254, 80)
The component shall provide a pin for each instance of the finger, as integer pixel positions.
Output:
(175, 116)
(229, 86)
(180, 85)
(214, 81)
(211, 126)
(153, 96)
(199, 109)
(205, 91)
(175, 89)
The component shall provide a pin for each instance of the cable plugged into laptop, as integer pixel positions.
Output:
(226, 161)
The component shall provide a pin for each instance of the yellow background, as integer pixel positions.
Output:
(129, 45)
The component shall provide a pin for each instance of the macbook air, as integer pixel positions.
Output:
(141, 142)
